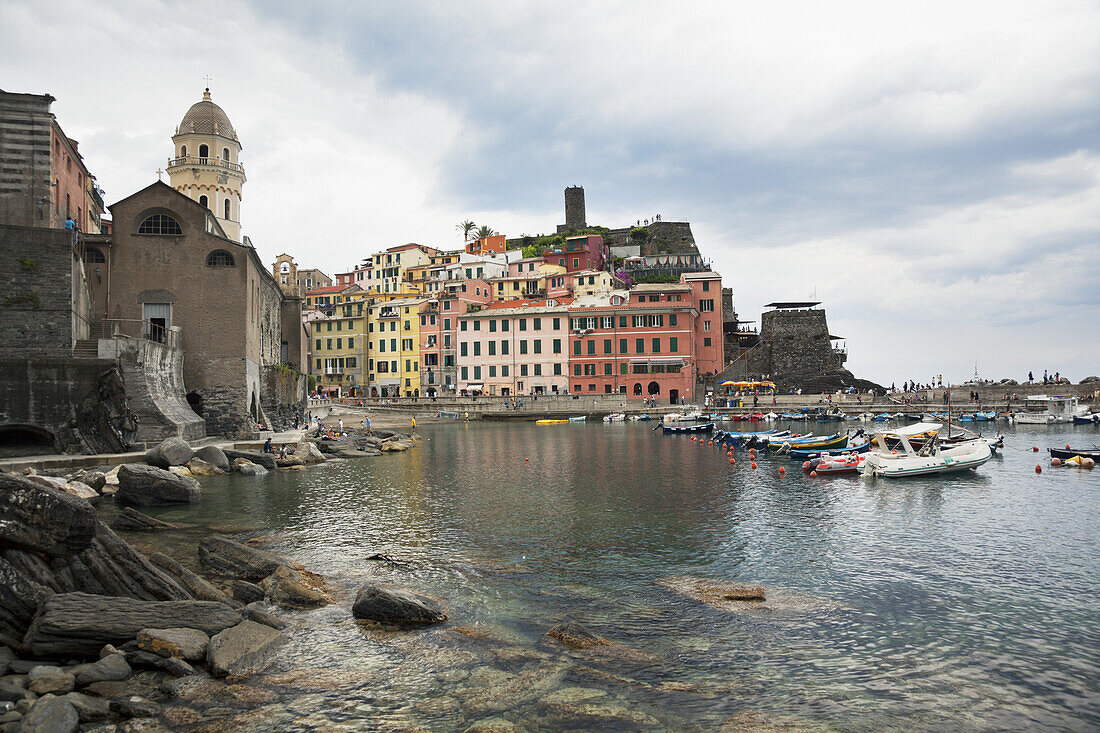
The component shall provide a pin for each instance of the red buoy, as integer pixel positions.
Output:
(1038, 468)
(1067, 447)
(1055, 461)
(754, 465)
(732, 461)
(526, 459)
(1035, 448)
(813, 474)
(805, 465)
(782, 470)
(729, 454)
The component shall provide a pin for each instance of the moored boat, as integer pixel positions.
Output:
(704, 428)
(551, 422)
(614, 417)
(1045, 410)
(1067, 453)
(932, 458)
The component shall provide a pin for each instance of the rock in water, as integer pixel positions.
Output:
(213, 455)
(199, 467)
(396, 606)
(79, 624)
(133, 520)
(243, 649)
(170, 452)
(292, 589)
(44, 520)
(246, 592)
(147, 485)
(96, 479)
(81, 490)
(187, 644)
(50, 714)
(308, 452)
(251, 469)
(263, 459)
(230, 559)
(575, 636)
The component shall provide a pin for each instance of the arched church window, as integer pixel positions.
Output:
(220, 258)
(226, 217)
(159, 224)
(225, 153)
(204, 151)
(183, 151)
(203, 201)
(95, 255)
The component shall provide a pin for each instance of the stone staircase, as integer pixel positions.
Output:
(86, 349)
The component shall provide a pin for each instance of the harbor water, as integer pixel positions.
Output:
(965, 602)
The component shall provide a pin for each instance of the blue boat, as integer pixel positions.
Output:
(805, 455)
(704, 428)
(883, 417)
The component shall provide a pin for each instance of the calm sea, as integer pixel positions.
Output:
(970, 602)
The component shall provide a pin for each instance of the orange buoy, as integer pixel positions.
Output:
(805, 465)
(1035, 448)
(754, 465)
(1038, 468)
(1067, 447)
(813, 474)
(526, 459)
(732, 461)
(1056, 461)
(782, 470)
(710, 442)
(729, 454)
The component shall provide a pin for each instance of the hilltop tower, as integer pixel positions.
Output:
(574, 208)
(206, 163)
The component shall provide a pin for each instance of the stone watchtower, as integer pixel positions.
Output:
(285, 271)
(206, 165)
(574, 208)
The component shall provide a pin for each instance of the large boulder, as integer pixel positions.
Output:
(50, 714)
(293, 589)
(213, 455)
(226, 558)
(43, 520)
(186, 644)
(243, 649)
(251, 469)
(148, 485)
(199, 467)
(81, 490)
(170, 452)
(79, 624)
(308, 452)
(396, 606)
(267, 460)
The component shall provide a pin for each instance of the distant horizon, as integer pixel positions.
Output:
(932, 173)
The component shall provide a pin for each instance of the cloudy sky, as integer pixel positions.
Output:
(930, 171)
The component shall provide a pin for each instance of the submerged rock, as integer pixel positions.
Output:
(251, 469)
(170, 452)
(294, 589)
(575, 636)
(396, 606)
(243, 649)
(132, 520)
(735, 597)
(148, 485)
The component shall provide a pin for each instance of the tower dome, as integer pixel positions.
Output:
(205, 165)
(207, 118)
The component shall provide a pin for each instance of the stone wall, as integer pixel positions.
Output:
(283, 397)
(26, 197)
(153, 374)
(36, 291)
(795, 351)
(80, 403)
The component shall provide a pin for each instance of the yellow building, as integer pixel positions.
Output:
(393, 361)
(338, 342)
(388, 270)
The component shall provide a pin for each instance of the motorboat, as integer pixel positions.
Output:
(579, 418)
(905, 460)
(614, 417)
(641, 418)
(1091, 419)
(836, 440)
(1045, 410)
(828, 464)
(797, 454)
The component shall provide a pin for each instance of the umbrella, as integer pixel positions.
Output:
(728, 383)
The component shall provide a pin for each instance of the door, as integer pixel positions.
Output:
(158, 319)
(673, 396)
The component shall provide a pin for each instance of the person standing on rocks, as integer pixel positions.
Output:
(268, 448)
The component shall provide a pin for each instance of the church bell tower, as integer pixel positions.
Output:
(206, 164)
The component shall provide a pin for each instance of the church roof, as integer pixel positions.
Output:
(207, 118)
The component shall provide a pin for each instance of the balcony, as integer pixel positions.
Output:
(193, 160)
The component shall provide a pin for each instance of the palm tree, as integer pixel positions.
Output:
(484, 231)
(466, 227)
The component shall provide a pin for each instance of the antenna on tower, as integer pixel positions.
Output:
(208, 79)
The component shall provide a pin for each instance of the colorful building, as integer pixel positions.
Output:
(439, 334)
(338, 347)
(514, 348)
(393, 361)
(585, 252)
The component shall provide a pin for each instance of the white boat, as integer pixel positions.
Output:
(771, 416)
(614, 417)
(1044, 410)
(931, 458)
(577, 419)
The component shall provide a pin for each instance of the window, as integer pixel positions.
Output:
(492, 371)
(622, 346)
(557, 368)
(523, 346)
(706, 341)
(591, 346)
(477, 372)
(204, 202)
(523, 370)
(607, 346)
(351, 343)
(328, 343)
(639, 346)
(492, 348)
(607, 322)
(706, 325)
(537, 325)
(622, 321)
(576, 370)
(706, 306)
(204, 151)
(589, 370)
(607, 369)
(462, 326)
(477, 325)
(706, 286)
(557, 323)
(226, 209)
(538, 370)
(622, 370)
(673, 345)
(382, 345)
(465, 373)
(577, 348)
(672, 319)
(523, 324)
(159, 224)
(339, 343)
(492, 326)
(95, 255)
(504, 325)
(504, 348)
(318, 365)
(656, 346)
(477, 348)
(536, 345)
(318, 344)
(557, 345)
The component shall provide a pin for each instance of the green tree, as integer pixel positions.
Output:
(466, 227)
(484, 231)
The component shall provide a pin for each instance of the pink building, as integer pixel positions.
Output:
(439, 334)
(586, 252)
(516, 347)
(654, 341)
